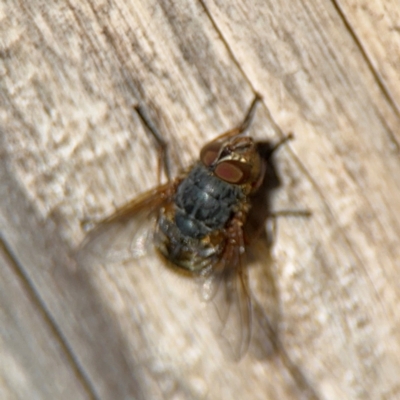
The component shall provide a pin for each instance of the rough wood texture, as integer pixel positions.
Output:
(72, 147)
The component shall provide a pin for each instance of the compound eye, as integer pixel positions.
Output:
(233, 171)
(209, 153)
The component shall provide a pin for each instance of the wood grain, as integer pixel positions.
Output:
(73, 147)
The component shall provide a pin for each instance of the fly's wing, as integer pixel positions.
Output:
(224, 285)
(128, 232)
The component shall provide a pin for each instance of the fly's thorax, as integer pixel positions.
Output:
(204, 203)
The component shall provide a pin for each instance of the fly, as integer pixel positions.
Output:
(204, 221)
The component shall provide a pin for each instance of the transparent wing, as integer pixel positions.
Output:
(224, 285)
(128, 232)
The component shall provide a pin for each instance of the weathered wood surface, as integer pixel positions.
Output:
(72, 147)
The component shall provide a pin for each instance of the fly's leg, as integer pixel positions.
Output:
(244, 125)
(163, 163)
(290, 213)
(266, 149)
(272, 226)
(278, 145)
(163, 154)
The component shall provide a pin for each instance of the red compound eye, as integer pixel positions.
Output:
(233, 171)
(209, 153)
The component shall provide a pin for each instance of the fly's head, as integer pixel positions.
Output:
(235, 160)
